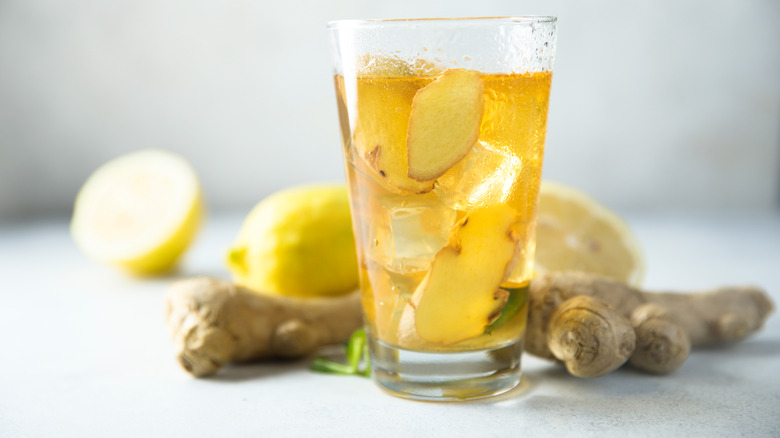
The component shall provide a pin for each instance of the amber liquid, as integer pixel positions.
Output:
(400, 224)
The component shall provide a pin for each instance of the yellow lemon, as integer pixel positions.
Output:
(575, 232)
(297, 242)
(139, 211)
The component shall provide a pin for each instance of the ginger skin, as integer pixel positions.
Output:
(214, 322)
(591, 336)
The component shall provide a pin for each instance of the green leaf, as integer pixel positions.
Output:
(366, 360)
(515, 302)
(324, 365)
(355, 347)
(355, 350)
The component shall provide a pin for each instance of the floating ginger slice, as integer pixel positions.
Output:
(383, 109)
(444, 123)
(458, 297)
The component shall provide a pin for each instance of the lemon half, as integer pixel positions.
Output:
(575, 232)
(139, 211)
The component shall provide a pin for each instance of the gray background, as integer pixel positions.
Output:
(655, 105)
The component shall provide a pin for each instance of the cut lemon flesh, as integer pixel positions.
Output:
(139, 211)
(575, 232)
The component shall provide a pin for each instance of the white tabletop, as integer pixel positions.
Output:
(85, 353)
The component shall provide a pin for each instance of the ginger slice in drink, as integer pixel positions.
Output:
(383, 108)
(444, 123)
(457, 299)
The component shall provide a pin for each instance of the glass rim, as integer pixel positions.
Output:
(519, 19)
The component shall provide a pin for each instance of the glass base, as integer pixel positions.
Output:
(445, 376)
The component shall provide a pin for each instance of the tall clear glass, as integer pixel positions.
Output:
(443, 124)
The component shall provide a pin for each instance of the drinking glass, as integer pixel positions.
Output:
(443, 124)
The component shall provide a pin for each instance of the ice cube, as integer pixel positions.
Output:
(380, 65)
(408, 231)
(485, 176)
(383, 66)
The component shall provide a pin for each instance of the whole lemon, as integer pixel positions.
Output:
(297, 242)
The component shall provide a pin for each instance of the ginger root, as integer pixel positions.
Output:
(655, 331)
(591, 324)
(214, 322)
(580, 328)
